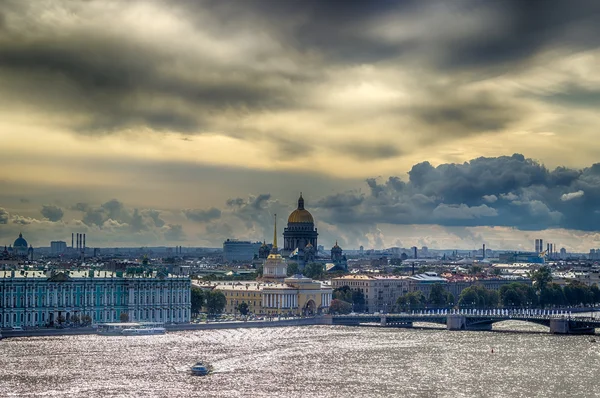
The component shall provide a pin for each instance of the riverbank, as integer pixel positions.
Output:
(174, 328)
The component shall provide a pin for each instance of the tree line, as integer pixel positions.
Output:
(213, 301)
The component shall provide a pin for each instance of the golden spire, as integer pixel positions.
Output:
(274, 249)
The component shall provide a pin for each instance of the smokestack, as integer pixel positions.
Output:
(77, 239)
(72, 239)
(484, 251)
(84, 242)
(415, 251)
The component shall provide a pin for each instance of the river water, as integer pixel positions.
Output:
(310, 361)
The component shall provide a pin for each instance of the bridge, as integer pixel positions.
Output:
(558, 322)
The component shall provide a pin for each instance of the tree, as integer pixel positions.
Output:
(197, 299)
(358, 300)
(438, 295)
(259, 271)
(124, 317)
(60, 319)
(552, 295)
(215, 302)
(518, 295)
(86, 320)
(395, 261)
(478, 296)
(293, 269)
(243, 308)
(75, 318)
(475, 270)
(411, 301)
(340, 307)
(314, 271)
(577, 293)
(343, 293)
(596, 293)
(541, 277)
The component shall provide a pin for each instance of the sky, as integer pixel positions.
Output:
(403, 123)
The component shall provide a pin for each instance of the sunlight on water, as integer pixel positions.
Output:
(317, 361)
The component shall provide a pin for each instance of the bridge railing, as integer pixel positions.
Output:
(497, 312)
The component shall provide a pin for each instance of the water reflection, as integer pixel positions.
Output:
(314, 361)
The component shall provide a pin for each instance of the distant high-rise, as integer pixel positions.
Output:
(539, 245)
(58, 247)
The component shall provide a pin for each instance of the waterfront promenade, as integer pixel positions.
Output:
(559, 322)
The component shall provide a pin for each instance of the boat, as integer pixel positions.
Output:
(200, 369)
(140, 331)
(131, 329)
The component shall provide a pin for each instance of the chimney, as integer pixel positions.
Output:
(415, 251)
(84, 242)
(484, 251)
(72, 240)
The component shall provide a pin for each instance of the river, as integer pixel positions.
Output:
(308, 361)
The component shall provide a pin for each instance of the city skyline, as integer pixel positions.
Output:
(436, 124)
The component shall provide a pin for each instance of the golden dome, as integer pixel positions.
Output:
(301, 214)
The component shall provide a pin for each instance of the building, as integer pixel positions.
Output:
(455, 285)
(240, 250)
(58, 247)
(42, 298)
(520, 257)
(296, 295)
(381, 293)
(300, 236)
(424, 282)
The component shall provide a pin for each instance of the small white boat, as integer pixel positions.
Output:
(200, 369)
(143, 331)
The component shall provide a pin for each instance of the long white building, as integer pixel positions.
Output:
(42, 298)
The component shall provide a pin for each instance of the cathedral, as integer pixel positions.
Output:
(300, 236)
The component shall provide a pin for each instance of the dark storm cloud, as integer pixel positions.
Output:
(502, 191)
(120, 81)
(503, 32)
(52, 213)
(202, 216)
(529, 27)
(117, 80)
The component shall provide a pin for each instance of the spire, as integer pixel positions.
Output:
(300, 202)
(274, 248)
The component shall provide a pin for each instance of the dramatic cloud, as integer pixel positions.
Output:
(52, 213)
(189, 122)
(502, 191)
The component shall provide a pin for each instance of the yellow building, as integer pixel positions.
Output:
(276, 294)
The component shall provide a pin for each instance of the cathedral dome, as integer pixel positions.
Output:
(20, 243)
(301, 215)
